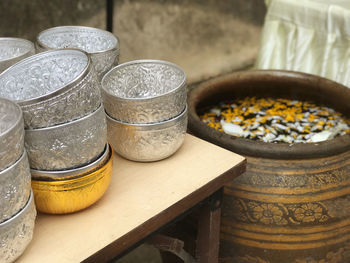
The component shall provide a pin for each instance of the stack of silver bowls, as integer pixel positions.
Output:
(17, 210)
(13, 50)
(64, 121)
(102, 46)
(145, 104)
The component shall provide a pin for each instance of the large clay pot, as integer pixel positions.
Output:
(293, 203)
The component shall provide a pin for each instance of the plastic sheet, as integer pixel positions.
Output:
(311, 36)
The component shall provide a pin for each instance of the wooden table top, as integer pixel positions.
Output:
(141, 198)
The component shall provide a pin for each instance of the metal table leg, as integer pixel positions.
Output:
(109, 15)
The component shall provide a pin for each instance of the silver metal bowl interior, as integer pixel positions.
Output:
(41, 75)
(144, 91)
(72, 173)
(89, 39)
(13, 50)
(68, 145)
(102, 45)
(17, 232)
(11, 133)
(52, 87)
(14, 187)
(143, 79)
(147, 142)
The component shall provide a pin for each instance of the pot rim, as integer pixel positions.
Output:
(259, 148)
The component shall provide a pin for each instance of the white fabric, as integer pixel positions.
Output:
(311, 36)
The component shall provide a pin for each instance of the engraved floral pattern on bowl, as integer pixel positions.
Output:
(52, 87)
(103, 46)
(67, 145)
(11, 133)
(13, 50)
(144, 91)
(17, 232)
(14, 188)
(147, 142)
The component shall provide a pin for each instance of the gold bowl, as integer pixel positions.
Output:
(74, 194)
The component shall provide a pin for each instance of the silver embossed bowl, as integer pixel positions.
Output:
(11, 133)
(14, 187)
(102, 45)
(13, 50)
(144, 91)
(52, 87)
(17, 232)
(147, 142)
(67, 145)
(72, 173)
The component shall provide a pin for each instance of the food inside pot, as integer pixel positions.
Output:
(276, 120)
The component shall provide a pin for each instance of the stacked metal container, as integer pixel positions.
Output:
(52, 130)
(102, 46)
(17, 210)
(64, 122)
(145, 104)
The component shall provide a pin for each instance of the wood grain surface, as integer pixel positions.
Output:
(141, 198)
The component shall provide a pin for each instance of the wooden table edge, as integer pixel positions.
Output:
(150, 226)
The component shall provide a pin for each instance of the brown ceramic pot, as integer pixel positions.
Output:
(293, 203)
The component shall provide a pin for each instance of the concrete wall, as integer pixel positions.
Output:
(26, 18)
(205, 37)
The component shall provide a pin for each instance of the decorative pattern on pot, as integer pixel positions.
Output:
(292, 203)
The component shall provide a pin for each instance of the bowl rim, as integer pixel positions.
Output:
(69, 27)
(20, 213)
(71, 173)
(12, 166)
(144, 61)
(67, 124)
(161, 124)
(31, 49)
(58, 91)
(19, 120)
